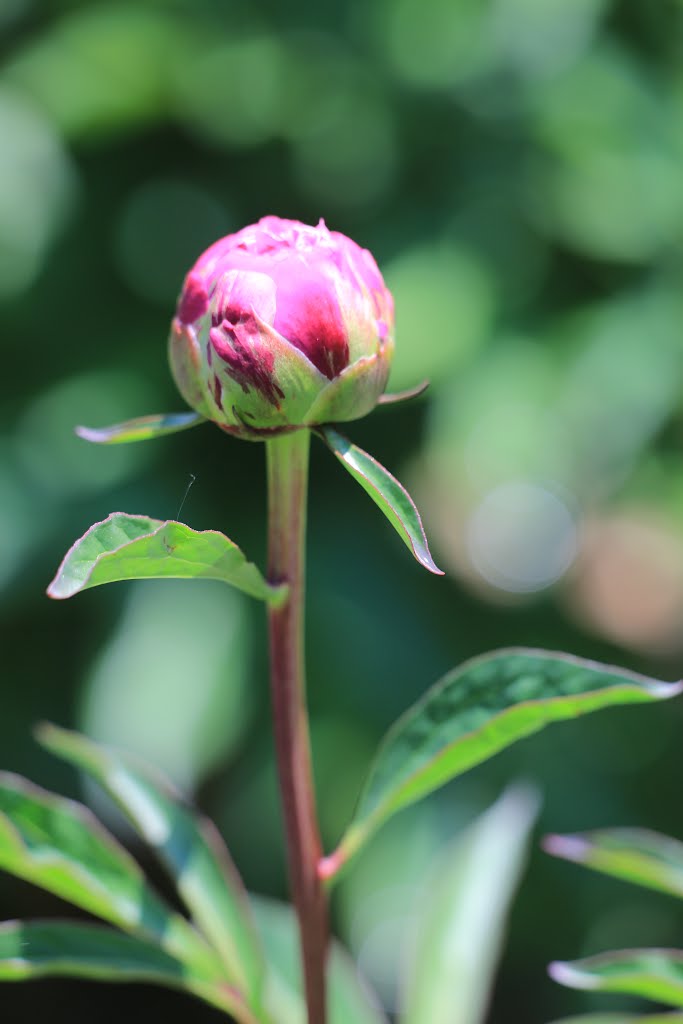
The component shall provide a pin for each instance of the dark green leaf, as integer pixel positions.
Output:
(450, 973)
(142, 428)
(349, 999)
(477, 710)
(189, 846)
(387, 493)
(40, 949)
(58, 845)
(127, 547)
(636, 855)
(652, 973)
(623, 1018)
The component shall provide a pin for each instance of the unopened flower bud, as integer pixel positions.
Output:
(281, 326)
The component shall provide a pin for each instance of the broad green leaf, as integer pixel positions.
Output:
(189, 846)
(60, 846)
(636, 855)
(40, 949)
(142, 428)
(651, 973)
(128, 547)
(388, 494)
(623, 1018)
(460, 931)
(349, 999)
(474, 712)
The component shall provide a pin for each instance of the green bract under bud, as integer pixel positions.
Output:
(281, 326)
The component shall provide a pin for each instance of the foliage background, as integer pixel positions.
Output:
(516, 167)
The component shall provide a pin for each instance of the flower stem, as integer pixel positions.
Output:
(287, 462)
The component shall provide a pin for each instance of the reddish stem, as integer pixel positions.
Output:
(287, 459)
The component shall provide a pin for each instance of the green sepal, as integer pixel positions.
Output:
(395, 397)
(352, 394)
(142, 428)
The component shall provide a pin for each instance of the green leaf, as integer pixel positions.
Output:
(40, 949)
(474, 712)
(636, 855)
(393, 397)
(189, 846)
(142, 428)
(460, 930)
(387, 493)
(127, 547)
(349, 999)
(651, 973)
(60, 846)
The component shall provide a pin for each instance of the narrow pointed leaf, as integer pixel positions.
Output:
(349, 999)
(636, 855)
(188, 845)
(392, 397)
(387, 493)
(142, 428)
(651, 973)
(474, 712)
(450, 974)
(60, 846)
(128, 547)
(40, 949)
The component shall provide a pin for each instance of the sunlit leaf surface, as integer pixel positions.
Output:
(448, 978)
(636, 855)
(188, 845)
(142, 428)
(387, 493)
(477, 710)
(652, 973)
(40, 949)
(350, 1000)
(58, 845)
(129, 547)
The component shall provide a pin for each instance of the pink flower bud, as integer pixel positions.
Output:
(280, 326)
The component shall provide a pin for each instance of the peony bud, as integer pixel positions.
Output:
(280, 326)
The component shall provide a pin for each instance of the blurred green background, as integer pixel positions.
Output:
(516, 166)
